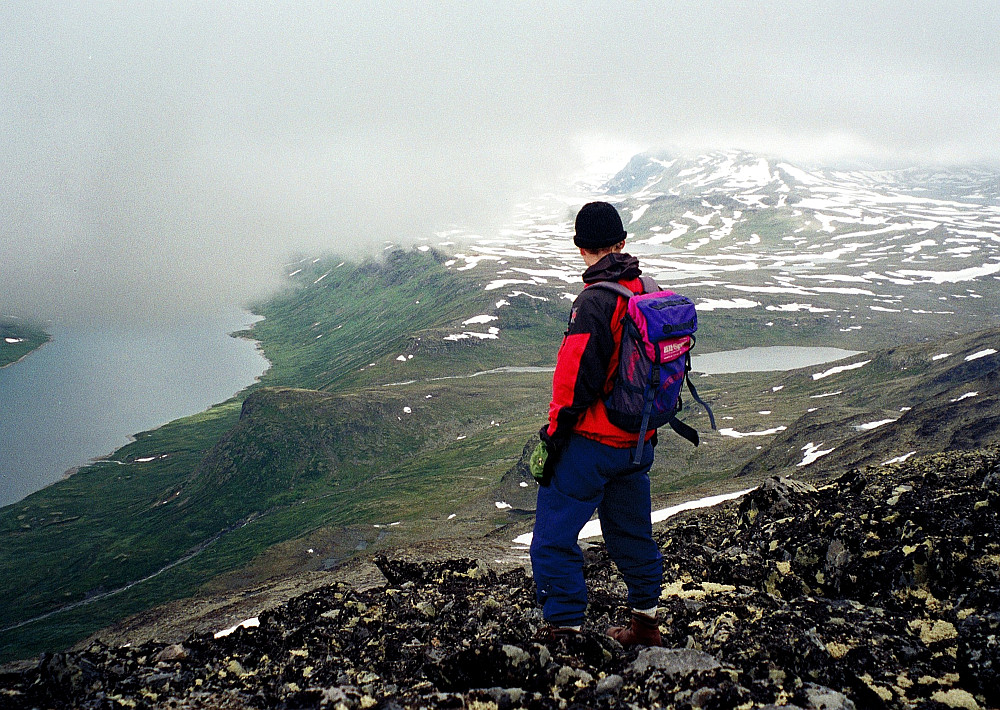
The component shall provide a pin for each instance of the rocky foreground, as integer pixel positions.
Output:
(878, 589)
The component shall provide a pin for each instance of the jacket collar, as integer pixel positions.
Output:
(613, 267)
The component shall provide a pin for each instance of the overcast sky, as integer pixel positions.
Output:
(158, 157)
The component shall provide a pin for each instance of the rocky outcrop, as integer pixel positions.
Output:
(879, 589)
(883, 584)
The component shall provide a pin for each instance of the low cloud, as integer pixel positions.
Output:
(162, 158)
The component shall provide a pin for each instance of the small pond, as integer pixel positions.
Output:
(764, 359)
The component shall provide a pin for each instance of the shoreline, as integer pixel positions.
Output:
(243, 333)
(30, 352)
(132, 438)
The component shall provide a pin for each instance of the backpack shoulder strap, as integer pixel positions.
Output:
(684, 430)
(649, 285)
(623, 291)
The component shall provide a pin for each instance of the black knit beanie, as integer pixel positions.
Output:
(598, 226)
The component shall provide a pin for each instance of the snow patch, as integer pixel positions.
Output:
(740, 434)
(500, 283)
(981, 353)
(515, 294)
(873, 425)
(711, 304)
(492, 334)
(813, 452)
(638, 213)
(793, 307)
(472, 262)
(840, 368)
(967, 395)
(942, 277)
(249, 623)
(593, 528)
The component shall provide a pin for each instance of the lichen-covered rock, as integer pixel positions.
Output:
(173, 652)
(878, 589)
(822, 698)
(979, 654)
(673, 661)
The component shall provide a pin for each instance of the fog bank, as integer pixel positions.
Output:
(162, 157)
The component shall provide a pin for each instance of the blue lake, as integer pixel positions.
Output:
(83, 395)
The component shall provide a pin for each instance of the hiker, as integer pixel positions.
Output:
(587, 462)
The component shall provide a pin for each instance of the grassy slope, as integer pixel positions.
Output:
(30, 337)
(325, 450)
(926, 399)
(324, 336)
(260, 481)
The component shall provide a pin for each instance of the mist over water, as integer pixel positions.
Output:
(160, 158)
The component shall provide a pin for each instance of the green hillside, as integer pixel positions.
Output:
(345, 326)
(383, 421)
(18, 338)
(319, 441)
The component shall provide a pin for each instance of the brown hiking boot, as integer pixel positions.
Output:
(644, 631)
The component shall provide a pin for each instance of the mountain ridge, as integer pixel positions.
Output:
(416, 331)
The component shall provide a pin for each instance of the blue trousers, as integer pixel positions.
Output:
(592, 476)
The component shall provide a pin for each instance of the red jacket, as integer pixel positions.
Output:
(588, 359)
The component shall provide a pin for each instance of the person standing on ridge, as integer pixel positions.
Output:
(584, 462)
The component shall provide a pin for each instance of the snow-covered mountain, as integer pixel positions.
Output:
(738, 231)
(743, 175)
(906, 217)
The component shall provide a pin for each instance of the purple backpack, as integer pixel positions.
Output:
(653, 362)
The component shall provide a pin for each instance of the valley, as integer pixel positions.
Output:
(369, 430)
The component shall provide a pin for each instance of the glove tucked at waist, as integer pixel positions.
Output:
(545, 456)
(541, 471)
